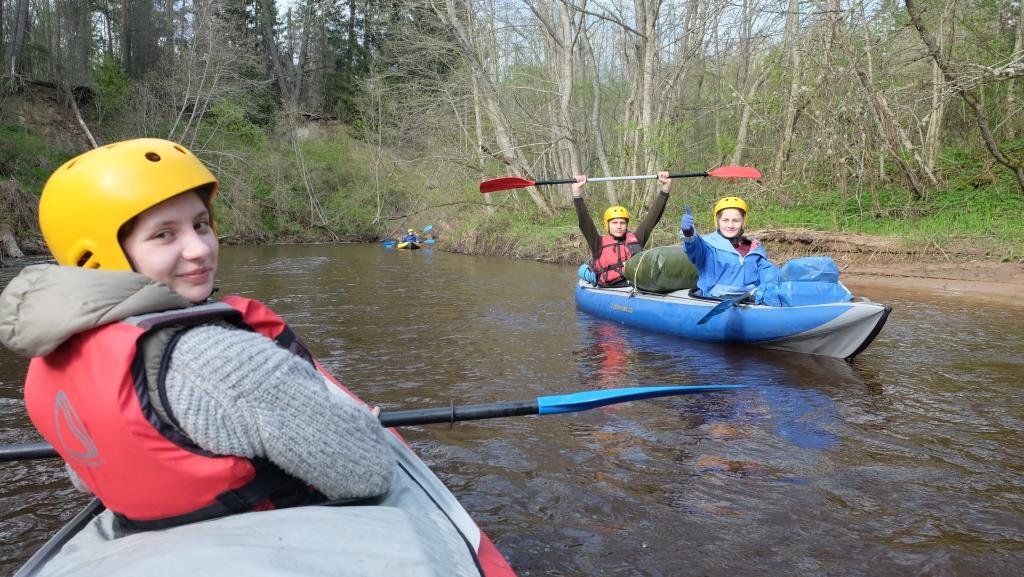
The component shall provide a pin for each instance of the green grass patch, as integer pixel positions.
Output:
(27, 158)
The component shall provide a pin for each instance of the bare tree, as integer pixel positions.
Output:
(890, 132)
(507, 144)
(965, 90)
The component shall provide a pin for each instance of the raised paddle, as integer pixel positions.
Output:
(726, 304)
(512, 182)
(548, 405)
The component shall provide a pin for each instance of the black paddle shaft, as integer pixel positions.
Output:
(21, 451)
(452, 414)
(456, 413)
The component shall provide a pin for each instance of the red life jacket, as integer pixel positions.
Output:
(609, 265)
(89, 398)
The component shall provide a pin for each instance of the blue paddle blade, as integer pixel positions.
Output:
(726, 304)
(428, 228)
(429, 241)
(585, 400)
(719, 309)
(389, 243)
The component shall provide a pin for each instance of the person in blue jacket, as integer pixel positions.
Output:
(728, 263)
(411, 236)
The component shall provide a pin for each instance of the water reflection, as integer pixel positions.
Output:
(905, 461)
(799, 414)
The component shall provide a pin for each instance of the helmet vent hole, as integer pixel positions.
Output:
(152, 157)
(181, 150)
(83, 261)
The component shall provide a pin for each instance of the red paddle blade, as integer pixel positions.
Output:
(504, 183)
(735, 172)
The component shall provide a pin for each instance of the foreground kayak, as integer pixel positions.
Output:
(418, 530)
(841, 330)
(408, 245)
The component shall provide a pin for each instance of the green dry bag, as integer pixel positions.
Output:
(661, 270)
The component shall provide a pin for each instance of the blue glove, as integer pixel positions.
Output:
(686, 223)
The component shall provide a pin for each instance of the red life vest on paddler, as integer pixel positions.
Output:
(90, 399)
(609, 265)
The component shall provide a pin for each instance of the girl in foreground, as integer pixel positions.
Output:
(168, 407)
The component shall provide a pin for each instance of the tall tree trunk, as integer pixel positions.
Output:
(650, 10)
(567, 49)
(480, 147)
(1016, 129)
(126, 34)
(300, 63)
(350, 61)
(3, 47)
(595, 117)
(109, 25)
(18, 32)
(267, 18)
(792, 39)
(940, 90)
(169, 25)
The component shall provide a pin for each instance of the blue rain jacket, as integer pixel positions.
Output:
(721, 268)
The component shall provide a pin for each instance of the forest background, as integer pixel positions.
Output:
(894, 126)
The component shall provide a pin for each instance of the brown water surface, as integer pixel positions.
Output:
(907, 461)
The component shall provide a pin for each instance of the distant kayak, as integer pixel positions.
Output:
(842, 329)
(409, 245)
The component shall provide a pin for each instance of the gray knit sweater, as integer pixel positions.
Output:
(238, 393)
(232, 391)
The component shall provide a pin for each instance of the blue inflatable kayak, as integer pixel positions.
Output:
(840, 330)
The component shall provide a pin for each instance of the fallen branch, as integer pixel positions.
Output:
(78, 115)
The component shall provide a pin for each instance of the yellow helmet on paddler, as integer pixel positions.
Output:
(411, 231)
(730, 202)
(88, 199)
(614, 212)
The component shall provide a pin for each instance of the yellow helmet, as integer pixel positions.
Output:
(411, 231)
(730, 202)
(87, 200)
(615, 212)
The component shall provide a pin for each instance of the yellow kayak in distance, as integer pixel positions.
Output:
(408, 245)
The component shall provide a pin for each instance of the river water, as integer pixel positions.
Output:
(907, 461)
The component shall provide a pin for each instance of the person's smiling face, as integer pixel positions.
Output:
(174, 243)
(730, 222)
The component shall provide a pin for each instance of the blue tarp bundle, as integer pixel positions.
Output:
(813, 280)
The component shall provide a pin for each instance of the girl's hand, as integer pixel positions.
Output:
(577, 187)
(666, 182)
